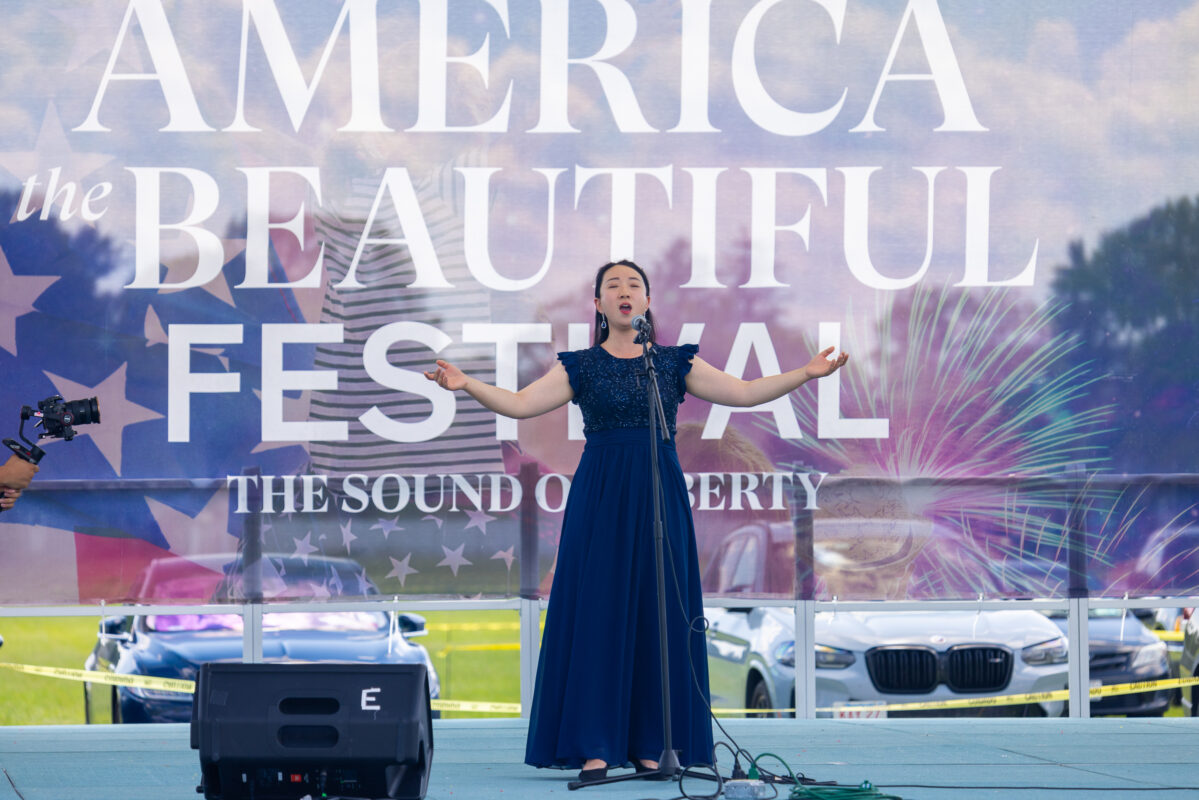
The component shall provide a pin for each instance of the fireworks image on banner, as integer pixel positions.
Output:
(986, 438)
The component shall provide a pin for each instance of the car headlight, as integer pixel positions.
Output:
(1052, 651)
(832, 657)
(1154, 656)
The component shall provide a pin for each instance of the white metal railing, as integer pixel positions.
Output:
(529, 611)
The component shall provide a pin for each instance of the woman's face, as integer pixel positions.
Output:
(622, 295)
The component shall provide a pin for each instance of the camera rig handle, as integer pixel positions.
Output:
(33, 454)
(28, 451)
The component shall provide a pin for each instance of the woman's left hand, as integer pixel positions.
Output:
(822, 366)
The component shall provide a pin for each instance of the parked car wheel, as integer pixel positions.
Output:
(759, 697)
(1158, 713)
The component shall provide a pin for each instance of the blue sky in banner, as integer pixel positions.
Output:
(793, 172)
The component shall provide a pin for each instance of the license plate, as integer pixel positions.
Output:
(858, 710)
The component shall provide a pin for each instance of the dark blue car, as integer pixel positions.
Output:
(1123, 650)
(174, 645)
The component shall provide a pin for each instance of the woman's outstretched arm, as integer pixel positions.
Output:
(708, 383)
(544, 394)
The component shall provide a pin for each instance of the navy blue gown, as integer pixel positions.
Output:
(598, 692)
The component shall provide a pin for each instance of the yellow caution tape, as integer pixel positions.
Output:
(983, 702)
(113, 678)
(966, 702)
(472, 705)
(476, 626)
(1169, 636)
(443, 652)
(1142, 686)
(189, 687)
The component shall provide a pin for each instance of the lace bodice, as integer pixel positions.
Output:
(611, 391)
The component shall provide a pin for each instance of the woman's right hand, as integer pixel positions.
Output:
(447, 376)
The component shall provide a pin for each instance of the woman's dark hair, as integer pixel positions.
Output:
(601, 333)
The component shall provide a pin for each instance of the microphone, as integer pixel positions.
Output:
(642, 325)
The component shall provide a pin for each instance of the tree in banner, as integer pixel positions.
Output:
(1134, 305)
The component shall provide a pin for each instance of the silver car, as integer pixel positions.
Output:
(877, 656)
(887, 657)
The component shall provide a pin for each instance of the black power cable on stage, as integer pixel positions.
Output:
(14, 785)
(828, 790)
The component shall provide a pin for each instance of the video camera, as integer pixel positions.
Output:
(56, 418)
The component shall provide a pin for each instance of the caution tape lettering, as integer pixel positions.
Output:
(985, 702)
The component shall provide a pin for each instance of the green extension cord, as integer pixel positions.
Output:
(864, 791)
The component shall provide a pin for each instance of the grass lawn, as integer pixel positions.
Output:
(476, 656)
(45, 642)
(474, 653)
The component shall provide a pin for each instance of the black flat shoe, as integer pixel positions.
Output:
(640, 767)
(589, 775)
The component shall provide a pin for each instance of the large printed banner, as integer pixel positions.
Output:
(246, 226)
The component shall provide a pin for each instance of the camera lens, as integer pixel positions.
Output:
(82, 412)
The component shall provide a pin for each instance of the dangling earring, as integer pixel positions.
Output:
(603, 322)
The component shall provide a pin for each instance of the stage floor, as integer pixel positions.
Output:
(481, 760)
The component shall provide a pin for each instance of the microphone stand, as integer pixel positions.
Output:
(669, 767)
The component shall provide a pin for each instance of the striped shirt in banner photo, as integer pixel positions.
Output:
(386, 271)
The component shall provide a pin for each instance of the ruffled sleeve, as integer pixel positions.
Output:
(685, 352)
(570, 360)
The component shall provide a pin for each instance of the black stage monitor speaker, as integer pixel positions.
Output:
(283, 731)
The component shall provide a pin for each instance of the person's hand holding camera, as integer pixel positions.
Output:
(15, 476)
(56, 419)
